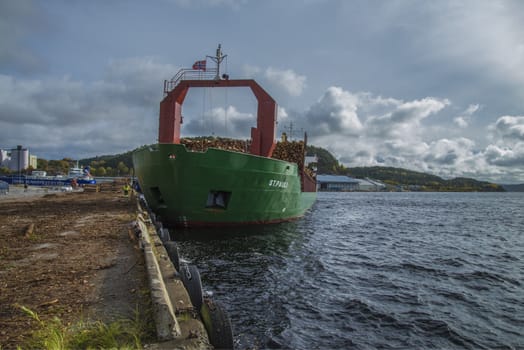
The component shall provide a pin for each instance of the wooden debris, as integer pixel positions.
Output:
(29, 230)
(201, 144)
(91, 188)
(290, 151)
(48, 303)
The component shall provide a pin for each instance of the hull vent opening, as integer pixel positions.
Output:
(155, 191)
(218, 199)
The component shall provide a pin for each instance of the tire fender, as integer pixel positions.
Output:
(217, 324)
(172, 252)
(191, 279)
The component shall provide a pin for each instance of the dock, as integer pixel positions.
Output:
(93, 255)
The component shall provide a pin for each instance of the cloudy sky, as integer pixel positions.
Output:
(433, 86)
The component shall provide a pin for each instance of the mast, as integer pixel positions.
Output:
(170, 118)
(218, 59)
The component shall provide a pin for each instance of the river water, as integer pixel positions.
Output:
(373, 270)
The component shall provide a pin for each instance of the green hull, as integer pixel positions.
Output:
(218, 187)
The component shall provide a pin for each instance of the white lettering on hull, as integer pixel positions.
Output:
(278, 183)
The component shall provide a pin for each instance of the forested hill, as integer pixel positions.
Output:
(121, 164)
(328, 164)
(422, 181)
(514, 188)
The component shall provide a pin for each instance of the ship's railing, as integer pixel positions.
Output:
(189, 74)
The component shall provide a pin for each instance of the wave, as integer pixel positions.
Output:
(491, 277)
(443, 331)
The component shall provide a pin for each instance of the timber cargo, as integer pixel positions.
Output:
(211, 181)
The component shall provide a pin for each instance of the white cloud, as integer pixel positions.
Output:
(198, 4)
(287, 80)
(335, 112)
(507, 149)
(363, 130)
(404, 119)
(464, 118)
(220, 121)
(19, 20)
(250, 70)
(465, 51)
(510, 128)
(114, 114)
(506, 157)
(483, 36)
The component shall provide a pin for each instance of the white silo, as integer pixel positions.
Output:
(19, 159)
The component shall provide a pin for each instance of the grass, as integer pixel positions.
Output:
(54, 335)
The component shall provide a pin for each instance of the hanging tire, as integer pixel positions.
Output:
(164, 234)
(217, 323)
(172, 252)
(191, 279)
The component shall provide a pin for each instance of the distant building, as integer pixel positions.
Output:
(4, 158)
(310, 160)
(17, 159)
(33, 161)
(370, 185)
(336, 183)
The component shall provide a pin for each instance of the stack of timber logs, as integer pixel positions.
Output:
(201, 144)
(115, 186)
(290, 151)
(91, 188)
(294, 152)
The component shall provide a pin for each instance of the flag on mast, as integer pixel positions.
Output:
(200, 65)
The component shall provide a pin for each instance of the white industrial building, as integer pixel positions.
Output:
(336, 183)
(17, 159)
(339, 183)
(370, 185)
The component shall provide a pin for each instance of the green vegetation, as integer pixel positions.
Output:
(398, 177)
(122, 165)
(53, 334)
(327, 163)
(116, 165)
(514, 188)
(110, 165)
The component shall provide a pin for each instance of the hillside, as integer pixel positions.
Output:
(111, 165)
(327, 164)
(121, 164)
(514, 188)
(421, 181)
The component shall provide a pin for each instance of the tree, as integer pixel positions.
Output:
(122, 169)
(5, 170)
(327, 163)
(42, 164)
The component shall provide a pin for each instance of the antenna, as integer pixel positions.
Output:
(291, 129)
(218, 59)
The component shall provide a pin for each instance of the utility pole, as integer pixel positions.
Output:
(19, 149)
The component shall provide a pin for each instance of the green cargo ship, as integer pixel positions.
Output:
(220, 182)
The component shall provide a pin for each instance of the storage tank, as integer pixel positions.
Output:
(19, 159)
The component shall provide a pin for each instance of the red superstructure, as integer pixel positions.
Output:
(262, 137)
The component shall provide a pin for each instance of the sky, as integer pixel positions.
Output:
(431, 86)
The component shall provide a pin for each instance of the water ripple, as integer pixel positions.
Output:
(374, 270)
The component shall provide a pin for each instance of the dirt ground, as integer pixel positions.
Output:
(70, 255)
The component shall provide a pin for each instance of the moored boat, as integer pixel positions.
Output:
(214, 181)
(81, 176)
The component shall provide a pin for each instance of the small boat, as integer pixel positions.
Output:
(212, 181)
(82, 176)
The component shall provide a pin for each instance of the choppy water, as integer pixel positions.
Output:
(374, 270)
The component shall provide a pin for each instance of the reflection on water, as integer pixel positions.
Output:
(373, 270)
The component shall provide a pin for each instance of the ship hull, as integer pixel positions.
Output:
(218, 187)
